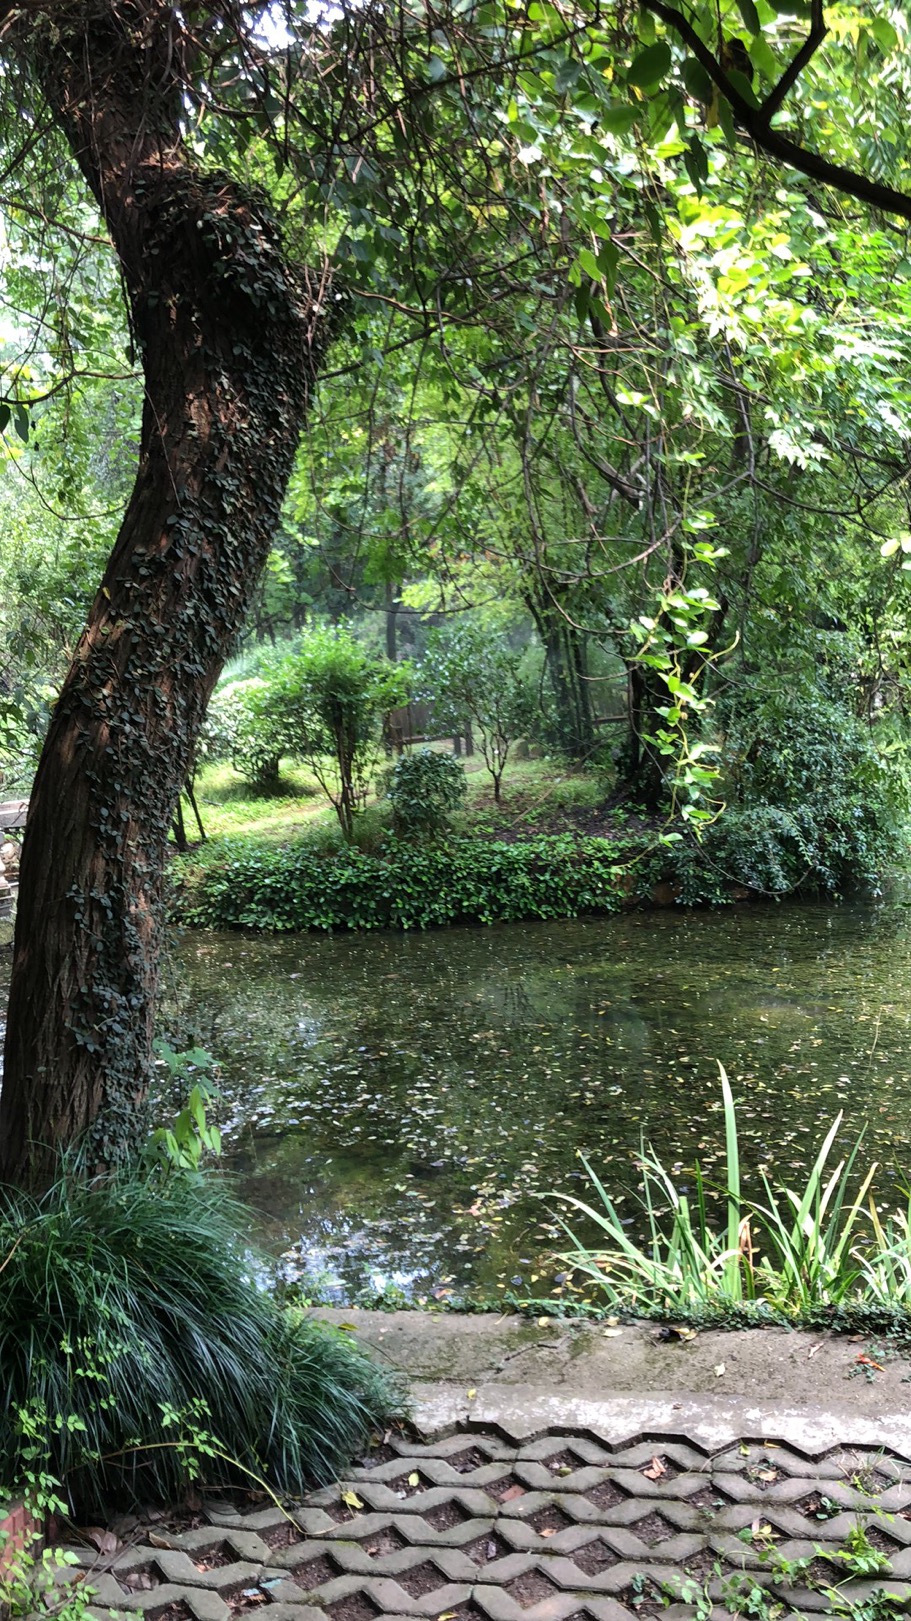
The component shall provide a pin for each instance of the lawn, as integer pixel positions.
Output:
(539, 796)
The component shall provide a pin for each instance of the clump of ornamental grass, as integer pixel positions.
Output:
(140, 1354)
(792, 1251)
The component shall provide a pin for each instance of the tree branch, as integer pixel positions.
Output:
(773, 142)
(795, 67)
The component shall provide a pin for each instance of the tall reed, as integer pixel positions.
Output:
(793, 1250)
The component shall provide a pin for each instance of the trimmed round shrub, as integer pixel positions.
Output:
(424, 789)
(139, 1351)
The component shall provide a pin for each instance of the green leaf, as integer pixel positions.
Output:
(21, 422)
(750, 15)
(4, 418)
(649, 66)
(619, 119)
(589, 264)
(763, 58)
(884, 33)
(567, 75)
(741, 84)
(726, 119)
(697, 81)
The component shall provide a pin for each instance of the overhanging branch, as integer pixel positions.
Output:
(775, 144)
(795, 67)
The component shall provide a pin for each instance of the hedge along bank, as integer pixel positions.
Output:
(759, 855)
(239, 884)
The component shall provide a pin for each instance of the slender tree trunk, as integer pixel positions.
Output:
(392, 614)
(564, 660)
(228, 348)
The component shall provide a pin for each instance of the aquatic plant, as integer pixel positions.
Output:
(793, 1250)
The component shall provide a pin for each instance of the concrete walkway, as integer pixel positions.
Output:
(565, 1473)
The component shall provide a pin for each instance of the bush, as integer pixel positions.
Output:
(239, 883)
(247, 723)
(424, 789)
(136, 1344)
(334, 695)
(812, 801)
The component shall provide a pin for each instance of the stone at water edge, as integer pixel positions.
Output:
(9, 858)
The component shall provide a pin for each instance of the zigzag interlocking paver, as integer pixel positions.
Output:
(563, 1528)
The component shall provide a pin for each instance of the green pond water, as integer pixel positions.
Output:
(394, 1105)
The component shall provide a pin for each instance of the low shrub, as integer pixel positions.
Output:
(138, 1350)
(813, 801)
(424, 790)
(242, 884)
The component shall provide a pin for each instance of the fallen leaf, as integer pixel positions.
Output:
(348, 1328)
(869, 1363)
(472, 1393)
(655, 1469)
(814, 1348)
(612, 1333)
(549, 1531)
(104, 1541)
(511, 1492)
(414, 1480)
(768, 1474)
(719, 1369)
(352, 1499)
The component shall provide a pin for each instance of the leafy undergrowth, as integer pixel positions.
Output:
(139, 1352)
(243, 884)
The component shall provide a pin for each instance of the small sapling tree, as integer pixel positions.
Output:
(472, 678)
(335, 695)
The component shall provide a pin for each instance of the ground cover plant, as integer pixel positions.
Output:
(244, 884)
(708, 1247)
(140, 1351)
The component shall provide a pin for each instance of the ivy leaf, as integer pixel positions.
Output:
(649, 66)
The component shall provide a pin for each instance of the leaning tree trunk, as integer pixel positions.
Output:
(228, 342)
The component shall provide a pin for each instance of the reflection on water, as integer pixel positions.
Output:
(394, 1102)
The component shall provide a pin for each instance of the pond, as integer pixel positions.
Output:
(398, 1107)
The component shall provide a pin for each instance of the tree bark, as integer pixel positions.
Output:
(229, 343)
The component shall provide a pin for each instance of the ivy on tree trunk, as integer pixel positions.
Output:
(229, 340)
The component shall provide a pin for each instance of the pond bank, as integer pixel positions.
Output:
(811, 1387)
